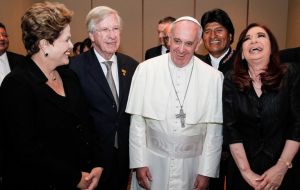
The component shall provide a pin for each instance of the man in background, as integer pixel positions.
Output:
(218, 35)
(162, 29)
(290, 55)
(8, 60)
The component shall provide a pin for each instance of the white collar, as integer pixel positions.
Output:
(216, 61)
(101, 59)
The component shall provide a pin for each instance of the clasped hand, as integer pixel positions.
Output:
(89, 181)
(269, 180)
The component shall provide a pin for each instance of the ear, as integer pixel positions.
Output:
(198, 44)
(230, 37)
(43, 44)
(243, 57)
(91, 35)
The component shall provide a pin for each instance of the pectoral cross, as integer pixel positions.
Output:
(181, 116)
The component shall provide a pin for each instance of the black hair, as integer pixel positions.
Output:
(219, 16)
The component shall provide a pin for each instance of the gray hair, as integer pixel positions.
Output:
(98, 14)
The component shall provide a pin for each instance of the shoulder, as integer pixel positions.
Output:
(81, 60)
(153, 66)
(12, 54)
(290, 54)
(204, 67)
(16, 80)
(124, 56)
(66, 71)
(202, 57)
(156, 48)
(125, 59)
(15, 59)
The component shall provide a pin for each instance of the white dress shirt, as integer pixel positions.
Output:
(114, 68)
(4, 66)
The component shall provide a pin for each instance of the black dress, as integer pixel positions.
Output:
(262, 124)
(47, 138)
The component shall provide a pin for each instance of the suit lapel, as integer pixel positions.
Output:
(11, 61)
(122, 76)
(96, 72)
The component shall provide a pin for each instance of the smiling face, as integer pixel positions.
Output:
(4, 42)
(61, 48)
(256, 45)
(106, 37)
(216, 39)
(184, 41)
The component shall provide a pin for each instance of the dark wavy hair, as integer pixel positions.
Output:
(43, 21)
(271, 78)
(219, 16)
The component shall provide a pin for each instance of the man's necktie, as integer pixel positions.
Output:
(111, 82)
(113, 89)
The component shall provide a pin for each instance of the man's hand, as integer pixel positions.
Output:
(201, 182)
(144, 177)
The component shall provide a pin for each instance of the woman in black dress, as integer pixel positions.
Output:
(46, 132)
(261, 108)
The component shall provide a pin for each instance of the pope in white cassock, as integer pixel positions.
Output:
(176, 125)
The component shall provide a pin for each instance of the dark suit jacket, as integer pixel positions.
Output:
(153, 52)
(14, 59)
(226, 63)
(48, 139)
(290, 55)
(102, 105)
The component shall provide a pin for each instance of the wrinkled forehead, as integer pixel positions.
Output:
(185, 30)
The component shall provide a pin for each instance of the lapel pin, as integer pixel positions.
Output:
(124, 72)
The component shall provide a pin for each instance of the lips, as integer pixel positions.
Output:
(68, 53)
(255, 49)
(214, 41)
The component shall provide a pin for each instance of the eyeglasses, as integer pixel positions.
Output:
(106, 31)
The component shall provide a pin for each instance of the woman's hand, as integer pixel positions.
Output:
(83, 184)
(272, 178)
(89, 181)
(94, 177)
(251, 178)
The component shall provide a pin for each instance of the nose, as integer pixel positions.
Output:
(213, 34)
(181, 47)
(71, 44)
(112, 34)
(253, 39)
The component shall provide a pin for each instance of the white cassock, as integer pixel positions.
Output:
(175, 154)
